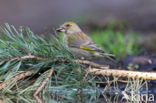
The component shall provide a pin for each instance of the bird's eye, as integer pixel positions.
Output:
(68, 25)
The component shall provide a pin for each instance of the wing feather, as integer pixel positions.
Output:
(82, 41)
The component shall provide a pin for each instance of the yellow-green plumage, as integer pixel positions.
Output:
(86, 48)
(79, 37)
(79, 42)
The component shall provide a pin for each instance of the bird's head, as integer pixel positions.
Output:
(69, 28)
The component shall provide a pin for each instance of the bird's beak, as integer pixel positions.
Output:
(61, 29)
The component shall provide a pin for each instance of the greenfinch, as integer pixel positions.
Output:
(79, 43)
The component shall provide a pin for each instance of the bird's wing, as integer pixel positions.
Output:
(89, 46)
(82, 41)
(93, 48)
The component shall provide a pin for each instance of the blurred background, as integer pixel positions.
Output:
(40, 14)
(107, 18)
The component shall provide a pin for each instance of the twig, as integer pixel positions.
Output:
(91, 64)
(86, 62)
(57, 60)
(123, 73)
(16, 78)
(123, 81)
(44, 83)
(38, 99)
(24, 58)
(95, 68)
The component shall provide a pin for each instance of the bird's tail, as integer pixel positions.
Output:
(109, 56)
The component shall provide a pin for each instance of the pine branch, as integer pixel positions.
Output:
(123, 73)
(44, 83)
(96, 68)
(23, 58)
(16, 78)
(38, 99)
(86, 62)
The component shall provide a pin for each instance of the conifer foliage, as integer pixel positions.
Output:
(25, 59)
